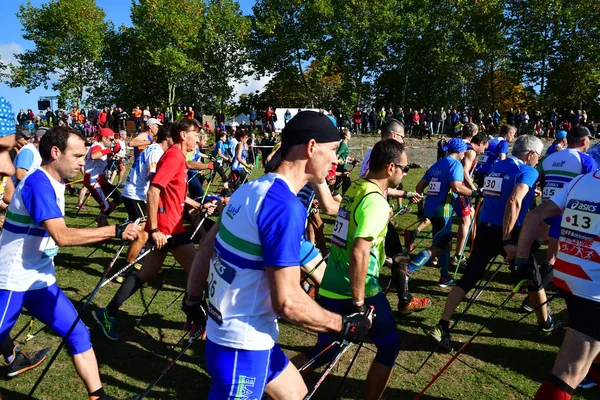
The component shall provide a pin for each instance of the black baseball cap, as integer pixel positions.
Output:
(24, 134)
(578, 132)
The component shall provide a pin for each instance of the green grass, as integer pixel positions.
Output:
(507, 361)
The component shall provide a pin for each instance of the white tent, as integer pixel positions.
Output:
(240, 118)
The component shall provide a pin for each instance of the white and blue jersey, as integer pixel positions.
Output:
(561, 167)
(26, 249)
(235, 164)
(28, 158)
(261, 226)
(486, 161)
(498, 186)
(138, 180)
(439, 200)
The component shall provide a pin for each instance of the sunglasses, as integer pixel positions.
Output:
(404, 168)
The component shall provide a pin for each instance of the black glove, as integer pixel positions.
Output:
(524, 268)
(196, 312)
(360, 309)
(355, 327)
(119, 229)
(477, 193)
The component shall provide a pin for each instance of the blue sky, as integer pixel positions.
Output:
(11, 42)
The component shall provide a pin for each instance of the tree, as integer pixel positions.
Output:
(68, 38)
(168, 31)
(287, 34)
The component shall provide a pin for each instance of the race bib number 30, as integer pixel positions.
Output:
(340, 228)
(581, 220)
(492, 186)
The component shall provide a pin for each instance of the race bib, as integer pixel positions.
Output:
(219, 280)
(48, 247)
(434, 187)
(580, 220)
(482, 159)
(551, 188)
(492, 186)
(340, 228)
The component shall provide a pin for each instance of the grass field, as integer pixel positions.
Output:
(507, 361)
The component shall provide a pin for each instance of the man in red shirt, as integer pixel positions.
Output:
(166, 200)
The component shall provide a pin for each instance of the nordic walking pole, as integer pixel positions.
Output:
(83, 204)
(170, 364)
(29, 335)
(360, 345)
(343, 348)
(464, 246)
(138, 258)
(197, 228)
(318, 356)
(512, 294)
(471, 301)
(176, 298)
(538, 307)
(72, 328)
(312, 271)
(138, 320)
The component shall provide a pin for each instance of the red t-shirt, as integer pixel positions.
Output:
(171, 178)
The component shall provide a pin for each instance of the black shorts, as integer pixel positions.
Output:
(178, 239)
(135, 208)
(584, 315)
(100, 193)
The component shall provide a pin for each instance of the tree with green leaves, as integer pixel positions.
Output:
(68, 38)
(288, 34)
(167, 32)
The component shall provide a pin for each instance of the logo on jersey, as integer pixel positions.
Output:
(245, 384)
(232, 211)
(559, 163)
(581, 205)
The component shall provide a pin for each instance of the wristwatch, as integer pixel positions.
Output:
(154, 230)
(508, 242)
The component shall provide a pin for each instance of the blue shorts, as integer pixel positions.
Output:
(51, 307)
(242, 374)
(383, 331)
(554, 223)
(308, 251)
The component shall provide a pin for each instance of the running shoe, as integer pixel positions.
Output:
(415, 305)
(441, 337)
(526, 305)
(24, 361)
(587, 383)
(555, 325)
(448, 281)
(108, 324)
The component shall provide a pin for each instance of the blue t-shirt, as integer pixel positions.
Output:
(224, 148)
(496, 146)
(439, 176)
(552, 149)
(24, 159)
(498, 186)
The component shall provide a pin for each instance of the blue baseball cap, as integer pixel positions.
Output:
(561, 135)
(455, 145)
(7, 118)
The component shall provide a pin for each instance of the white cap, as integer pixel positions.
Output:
(153, 121)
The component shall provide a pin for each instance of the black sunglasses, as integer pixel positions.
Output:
(404, 168)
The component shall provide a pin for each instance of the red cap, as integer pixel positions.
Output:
(107, 132)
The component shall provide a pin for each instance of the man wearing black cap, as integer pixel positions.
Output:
(22, 137)
(28, 158)
(251, 258)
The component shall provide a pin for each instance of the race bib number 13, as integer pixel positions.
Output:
(581, 220)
